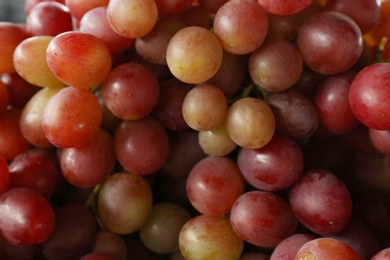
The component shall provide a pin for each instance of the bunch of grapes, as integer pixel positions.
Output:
(195, 129)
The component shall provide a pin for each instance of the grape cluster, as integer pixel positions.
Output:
(196, 129)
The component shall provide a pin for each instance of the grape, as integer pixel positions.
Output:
(4, 175)
(321, 202)
(366, 13)
(181, 159)
(11, 35)
(12, 142)
(326, 248)
(20, 91)
(216, 142)
(29, 4)
(358, 236)
(132, 153)
(71, 117)
(241, 26)
(153, 46)
(276, 65)
(124, 202)
(30, 122)
(79, 8)
(230, 74)
(330, 42)
(75, 228)
(262, 218)
(39, 20)
(282, 26)
(212, 6)
(95, 22)
(30, 62)
(380, 139)
(132, 18)
(78, 59)
(194, 54)
(250, 123)
(172, 8)
(275, 166)
(204, 107)
(34, 170)
(196, 16)
(206, 237)
(333, 95)
(382, 254)
(295, 114)
(130, 91)
(97, 256)
(214, 184)
(284, 8)
(35, 217)
(4, 97)
(161, 231)
(289, 247)
(76, 161)
(168, 108)
(109, 243)
(368, 101)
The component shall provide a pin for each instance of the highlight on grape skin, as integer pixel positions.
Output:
(194, 129)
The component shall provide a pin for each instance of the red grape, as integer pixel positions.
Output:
(141, 145)
(321, 202)
(276, 65)
(241, 26)
(10, 36)
(366, 13)
(95, 22)
(78, 59)
(26, 218)
(326, 248)
(76, 161)
(284, 8)
(71, 117)
(12, 142)
(330, 42)
(4, 175)
(34, 170)
(332, 103)
(262, 218)
(130, 91)
(214, 184)
(368, 96)
(39, 21)
(275, 166)
(75, 228)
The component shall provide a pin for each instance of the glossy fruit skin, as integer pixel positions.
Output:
(262, 218)
(369, 95)
(35, 217)
(330, 42)
(321, 201)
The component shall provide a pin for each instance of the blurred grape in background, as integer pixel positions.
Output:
(12, 11)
